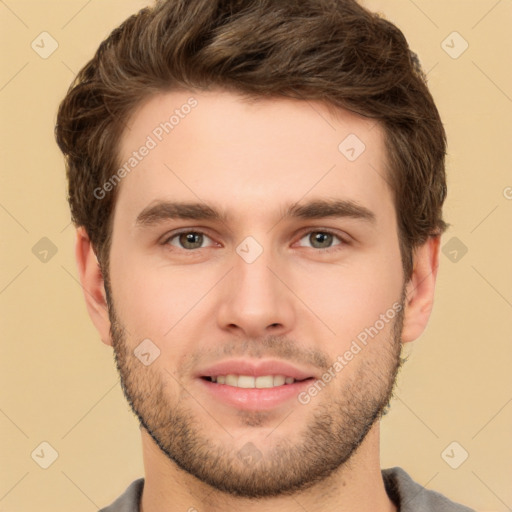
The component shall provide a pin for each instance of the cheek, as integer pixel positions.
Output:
(349, 298)
(153, 300)
(139, 294)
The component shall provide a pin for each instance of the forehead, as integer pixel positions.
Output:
(249, 156)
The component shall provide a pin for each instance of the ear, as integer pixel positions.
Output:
(93, 285)
(420, 289)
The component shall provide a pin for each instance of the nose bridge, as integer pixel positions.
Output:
(252, 275)
(255, 298)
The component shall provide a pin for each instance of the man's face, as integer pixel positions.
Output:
(260, 295)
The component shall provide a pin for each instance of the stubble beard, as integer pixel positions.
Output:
(287, 463)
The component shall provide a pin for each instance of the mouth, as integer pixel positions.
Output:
(252, 382)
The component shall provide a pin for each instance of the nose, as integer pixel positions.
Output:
(257, 300)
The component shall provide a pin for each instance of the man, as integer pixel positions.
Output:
(257, 189)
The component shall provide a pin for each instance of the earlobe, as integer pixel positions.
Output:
(420, 289)
(93, 286)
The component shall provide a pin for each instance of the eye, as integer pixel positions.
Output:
(188, 240)
(322, 240)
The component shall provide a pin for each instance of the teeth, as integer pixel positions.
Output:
(245, 381)
(232, 380)
(250, 382)
(263, 382)
(279, 380)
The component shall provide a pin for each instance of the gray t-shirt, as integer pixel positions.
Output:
(407, 495)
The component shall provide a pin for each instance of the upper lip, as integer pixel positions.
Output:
(253, 368)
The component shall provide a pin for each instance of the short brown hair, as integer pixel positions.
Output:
(334, 51)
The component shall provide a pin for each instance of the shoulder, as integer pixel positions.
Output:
(411, 496)
(129, 500)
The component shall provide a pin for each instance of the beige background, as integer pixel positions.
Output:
(58, 381)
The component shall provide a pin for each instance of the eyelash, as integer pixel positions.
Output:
(343, 242)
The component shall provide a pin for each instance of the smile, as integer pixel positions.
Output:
(250, 382)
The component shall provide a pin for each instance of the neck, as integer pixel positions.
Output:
(357, 486)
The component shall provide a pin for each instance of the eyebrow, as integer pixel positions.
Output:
(160, 211)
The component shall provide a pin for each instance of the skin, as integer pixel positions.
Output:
(200, 306)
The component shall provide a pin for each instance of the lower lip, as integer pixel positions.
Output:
(255, 399)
